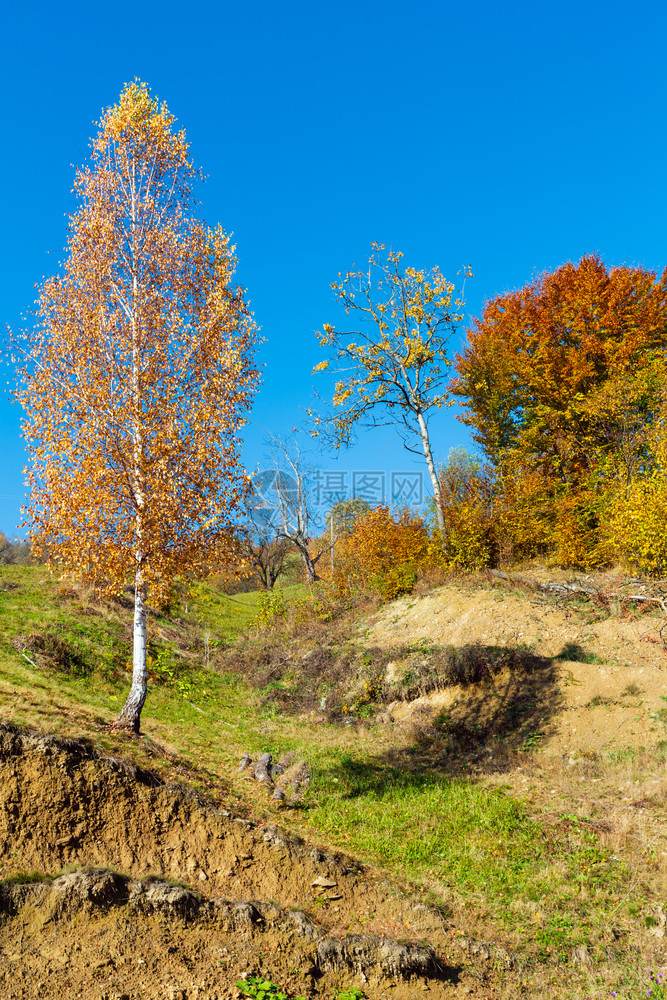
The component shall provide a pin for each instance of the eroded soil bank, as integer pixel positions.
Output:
(603, 683)
(126, 932)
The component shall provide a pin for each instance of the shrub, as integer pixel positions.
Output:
(467, 503)
(382, 554)
(262, 989)
(524, 514)
(270, 606)
(575, 534)
(67, 655)
(634, 531)
(16, 553)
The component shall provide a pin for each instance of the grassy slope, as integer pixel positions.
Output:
(543, 889)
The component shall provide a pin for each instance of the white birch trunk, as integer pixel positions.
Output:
(130, 714)
(435, 484)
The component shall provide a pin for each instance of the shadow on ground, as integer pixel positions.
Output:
(508, 711)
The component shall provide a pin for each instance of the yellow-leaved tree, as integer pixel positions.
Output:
(394, 369)
(138, 377)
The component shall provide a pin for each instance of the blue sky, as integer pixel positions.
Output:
(510, 137)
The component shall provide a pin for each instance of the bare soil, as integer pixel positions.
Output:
(63, 806)
(610, 702)
(156, 893)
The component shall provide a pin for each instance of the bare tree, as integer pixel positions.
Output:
(266, 556)
(290, 498)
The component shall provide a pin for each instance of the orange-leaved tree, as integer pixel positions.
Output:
(568, 369)
(562, 382)
(466, 496)
(139, 375)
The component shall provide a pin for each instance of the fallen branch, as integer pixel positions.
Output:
(575, 588)
(195, 708)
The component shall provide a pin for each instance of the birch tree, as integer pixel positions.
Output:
(139, 375)
(392, 370)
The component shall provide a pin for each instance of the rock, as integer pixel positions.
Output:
(263, 770)
(323, 883)
(246, 915)
(75, 889)
(369, 955)
(274, 836)
(303, 925)
(203, 877)
(278, 795)
(302, 776)
(581, 957)
(160, 898)
(300, 781)
(246, 761)
(478, 948)
(283, 764)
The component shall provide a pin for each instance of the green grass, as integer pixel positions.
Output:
(228, 616)
(25, 878)
(463, 838)
(433, 827)
(550, 885)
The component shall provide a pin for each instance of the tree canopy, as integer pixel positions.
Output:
(568, 369)
(565, 383)
(392, 370)
(140, 374)
(344, 515)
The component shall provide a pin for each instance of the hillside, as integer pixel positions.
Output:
(485, 810)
